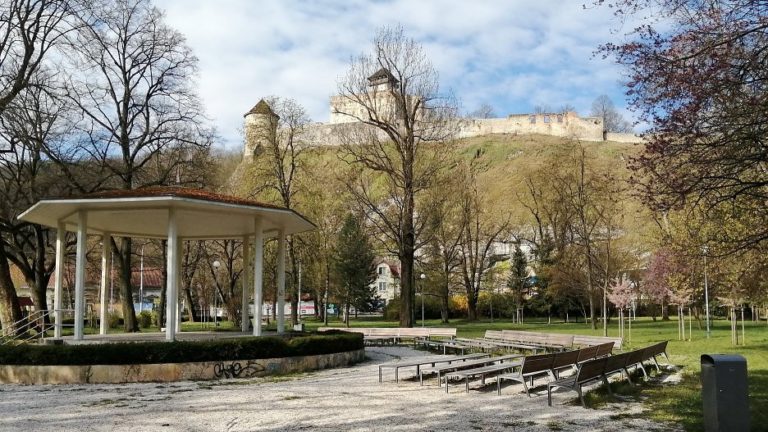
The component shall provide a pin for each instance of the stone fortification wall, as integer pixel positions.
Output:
(568, 125)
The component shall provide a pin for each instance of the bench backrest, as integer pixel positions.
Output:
(635, 357)
(494, 334)
(655, 349)
(537, 363)
(442, 331)
(583, 340)
(537, 338)
(412, 332)
(362, 330)
(604, 349)
(565, 358)
(591, 369)
(616, 362)
(587, 353)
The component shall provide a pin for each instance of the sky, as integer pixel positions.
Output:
(510, 54)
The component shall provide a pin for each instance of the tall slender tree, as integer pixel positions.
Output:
(355, 266)
(406, 125)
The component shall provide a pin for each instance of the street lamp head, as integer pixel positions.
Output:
(705, 249)
(216, 264)
(422, 276)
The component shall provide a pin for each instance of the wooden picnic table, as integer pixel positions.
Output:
(397, 365)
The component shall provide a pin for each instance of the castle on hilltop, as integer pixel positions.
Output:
(261, 122)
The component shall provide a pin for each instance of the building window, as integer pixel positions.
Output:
(546, 119)
(382, 286)
(381, 270)
(532, 119)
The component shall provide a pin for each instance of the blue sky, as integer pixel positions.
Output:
(512, 54)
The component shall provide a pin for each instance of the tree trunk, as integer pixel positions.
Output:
(123, 256)
(190, 304)
(664, 310)
(472, 307)
(407, 292)
(10, 311)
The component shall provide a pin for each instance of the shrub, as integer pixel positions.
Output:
(114, 320)
(145, 319)
(181, 351)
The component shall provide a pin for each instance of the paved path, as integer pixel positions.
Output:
(349, 399)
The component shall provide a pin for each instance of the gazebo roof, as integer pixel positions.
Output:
(144, 213)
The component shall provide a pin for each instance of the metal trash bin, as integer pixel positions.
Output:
(724, 392)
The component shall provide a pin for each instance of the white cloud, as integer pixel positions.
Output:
(511, 54)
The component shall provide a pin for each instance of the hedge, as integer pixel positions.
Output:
(250, 348)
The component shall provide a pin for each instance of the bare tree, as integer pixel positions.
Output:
(484, 111)
(482, 228)
(403, 128)
(284, 141)
(613, 121)
(133, 86)
(29, 29)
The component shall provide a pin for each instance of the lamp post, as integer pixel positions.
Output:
(216, 265)
(705, 250)
(422, 277)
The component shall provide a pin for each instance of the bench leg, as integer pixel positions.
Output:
(607, 385)
(549, 395)
(581, 396)
(396, 377)
(379, 373)
(466, 383)
(498, 386)
(525, 387)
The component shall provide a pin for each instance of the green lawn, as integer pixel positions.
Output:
(680, 403)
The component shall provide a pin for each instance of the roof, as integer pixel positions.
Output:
(382, 74)
(144, 213)
(261, 108)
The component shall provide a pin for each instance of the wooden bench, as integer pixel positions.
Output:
(588, 372)
(464, 365)
(395, 334)
(545, 340)
(584, 341)
(531, 367)
(482, 372)
(419, 363)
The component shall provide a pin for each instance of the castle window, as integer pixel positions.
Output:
(532, 119)
(559, 118)
(546, 119)
(382, 286)
(381, 270)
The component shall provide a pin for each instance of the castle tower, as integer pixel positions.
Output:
(260, 129)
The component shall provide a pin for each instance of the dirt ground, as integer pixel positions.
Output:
(348, 399)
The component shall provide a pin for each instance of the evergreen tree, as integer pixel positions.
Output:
(355, 267)
(518, 278)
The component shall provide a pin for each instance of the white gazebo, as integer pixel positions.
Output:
(175, 214)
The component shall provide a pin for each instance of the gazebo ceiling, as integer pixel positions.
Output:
(144, 213)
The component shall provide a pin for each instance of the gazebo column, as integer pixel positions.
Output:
(106, 248)
(258, 274)
(244, 302)
(281, 281)
(82, 240)
(177, 290)
(171, 263)
(61, 238)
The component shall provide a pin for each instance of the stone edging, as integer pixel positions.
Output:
(167, 372)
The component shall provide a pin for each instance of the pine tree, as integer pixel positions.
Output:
(355, 267)
(518, 279)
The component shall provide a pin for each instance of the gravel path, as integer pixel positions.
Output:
(349, 399)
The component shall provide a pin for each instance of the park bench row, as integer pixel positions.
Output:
(600, 369)
(396, 334)
(496, 340)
